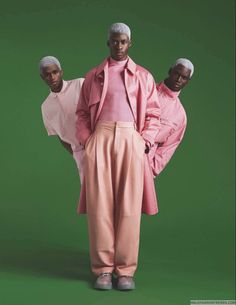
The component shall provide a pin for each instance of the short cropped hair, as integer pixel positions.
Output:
(119, 28)
(186, 63)
(47, 61)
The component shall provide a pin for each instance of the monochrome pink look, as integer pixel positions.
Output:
(145, 107)
(114, 129)
(116, 104)
(173, 125)
(58, 111)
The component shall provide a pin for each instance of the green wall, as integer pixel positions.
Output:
(187, 250)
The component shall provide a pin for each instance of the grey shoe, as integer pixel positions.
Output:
(103, 281)
(125, 283)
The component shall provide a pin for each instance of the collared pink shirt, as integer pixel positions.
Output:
(58, 111)
(173, 125)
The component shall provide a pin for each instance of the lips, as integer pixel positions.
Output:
(177, 85)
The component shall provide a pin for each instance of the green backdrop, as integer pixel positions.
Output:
(187, 250)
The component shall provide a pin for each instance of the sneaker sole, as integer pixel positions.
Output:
(103, 287)
(126, 287)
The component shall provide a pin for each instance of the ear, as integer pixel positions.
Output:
(62, 72)
(169, 71)
(130, 43)
(41, 76)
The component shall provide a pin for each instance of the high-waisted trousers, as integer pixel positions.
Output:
(114, 171)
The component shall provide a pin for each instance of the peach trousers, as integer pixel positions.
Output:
(114, 170)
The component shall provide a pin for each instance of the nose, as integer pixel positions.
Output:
(52, 76)
(119, 46)
(179, 78)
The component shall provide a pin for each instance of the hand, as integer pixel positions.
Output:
(147, 149)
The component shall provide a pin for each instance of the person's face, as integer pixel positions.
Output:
(119, 45)
(178, 78)
(52, 75)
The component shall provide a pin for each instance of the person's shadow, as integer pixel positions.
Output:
(46, 260)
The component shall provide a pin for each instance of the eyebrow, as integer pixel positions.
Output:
(122, 40)
(55, 70)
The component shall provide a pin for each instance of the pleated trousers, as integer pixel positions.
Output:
(114, 171)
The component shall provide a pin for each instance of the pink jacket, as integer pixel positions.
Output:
(142, 95)
(173, 125)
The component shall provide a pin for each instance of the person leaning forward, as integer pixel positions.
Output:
(58, 109)
(118, 118)
(173, 116)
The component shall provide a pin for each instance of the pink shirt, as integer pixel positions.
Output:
(173, 125)
(58, 111)
(116, 104)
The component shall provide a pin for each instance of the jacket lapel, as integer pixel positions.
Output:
(102, 79)
(131, 86)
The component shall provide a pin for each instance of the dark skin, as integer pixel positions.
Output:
(119, 45)
(52, 75)
(67, 146)
(178, 78)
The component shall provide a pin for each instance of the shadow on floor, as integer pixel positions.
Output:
(45, 260)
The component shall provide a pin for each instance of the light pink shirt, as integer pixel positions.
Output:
(58, 111)
(116, 104)
(173, 125)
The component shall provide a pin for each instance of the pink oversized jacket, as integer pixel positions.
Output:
(143, 99)
(173, 125)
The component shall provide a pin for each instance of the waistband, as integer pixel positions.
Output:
(118, 124)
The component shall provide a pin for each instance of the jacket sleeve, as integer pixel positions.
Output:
(164, 151)
(83, 121)
(152, 115)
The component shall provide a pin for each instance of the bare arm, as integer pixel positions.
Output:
(66, 145)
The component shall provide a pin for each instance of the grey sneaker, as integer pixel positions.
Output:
(103, 281)
(125, 283)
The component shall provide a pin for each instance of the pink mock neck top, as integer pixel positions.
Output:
(116, 104)
(167, 91)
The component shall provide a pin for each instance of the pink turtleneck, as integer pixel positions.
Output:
(116, 104)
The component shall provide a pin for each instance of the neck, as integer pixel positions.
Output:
(58, 89)
(123, 59)
(166, 82)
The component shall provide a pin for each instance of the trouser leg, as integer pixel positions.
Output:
(99, 200)
(114, 189)
(129, 192)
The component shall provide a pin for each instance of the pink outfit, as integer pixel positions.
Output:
(173, 125)
(114, 157)
(116, 105)
(58, 111)
(114, 160)
(143, 101)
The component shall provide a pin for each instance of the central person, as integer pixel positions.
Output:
(118, 118)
